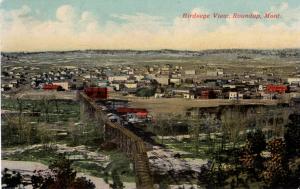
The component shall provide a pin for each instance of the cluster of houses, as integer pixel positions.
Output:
(164, 80)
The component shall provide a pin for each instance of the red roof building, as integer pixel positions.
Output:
(140, 112)
(96, 92)
(50, 87)
(276, 88)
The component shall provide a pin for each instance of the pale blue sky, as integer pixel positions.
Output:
(168, 9)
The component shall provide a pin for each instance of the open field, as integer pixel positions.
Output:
(180, 105)
(203, 60)
(40, 94)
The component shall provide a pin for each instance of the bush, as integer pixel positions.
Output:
(145, 92)
(61, 175)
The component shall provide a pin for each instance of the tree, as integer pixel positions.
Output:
(60, 175)
(164, 125)
(117, 182)
(81, 182)
(292, 135)
(251, 158)
(11, 180)
(276, 171)
(18, 131)
(232, 124)
(145, 92)
(196, 125)
(20, 107)
(45, 105)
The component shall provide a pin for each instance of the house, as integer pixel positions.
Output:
(212, 73)
(183, 93)
(116, 86)
(233, 95)
(64, 85)
(96, 92)
(188, 96)
(50, 87)
(293, 81)
(131, 85)
(175, 81)
(162, 80)
(150, 69)
(190, 72)
(276, 88)
(165, 70)
(220, 72)
(295, 102)
(266, 96)
(207, 93)
(139, 77)
(118, 78)
(158, 95)
(103, 83)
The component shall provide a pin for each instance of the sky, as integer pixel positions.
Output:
(50, 25)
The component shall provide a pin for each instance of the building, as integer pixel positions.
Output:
(293, 81)
(162, 80)
(176, 81)
(64, 85)
(118, 78)
(50, 87)
(276, 88)
(96, 92)
(190, 72)
(233, 95)
(131, 85)
(212, 73)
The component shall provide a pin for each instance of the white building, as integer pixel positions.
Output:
(212, 73)
(158, 95)
(190, 72)
(118, 78)
(131, 85)
(175, 80)
(162, 80)
(64, 85)
(233, 95)
(293, 81)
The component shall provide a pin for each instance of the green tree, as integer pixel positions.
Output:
(292, 135)
(61, 176)
(251, 158)
(145, 92)
(117, 182)
(10, 180)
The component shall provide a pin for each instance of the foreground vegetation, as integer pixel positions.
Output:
(60, 175)
(34, 129)
(246, 151)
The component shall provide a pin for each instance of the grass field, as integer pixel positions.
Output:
(157, 106)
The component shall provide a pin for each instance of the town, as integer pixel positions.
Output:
(159, 119)
(157, 80)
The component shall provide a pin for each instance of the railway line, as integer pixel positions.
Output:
(126, 139)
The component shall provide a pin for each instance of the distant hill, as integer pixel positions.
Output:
(240, 52)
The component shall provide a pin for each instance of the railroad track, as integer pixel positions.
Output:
(127, 141)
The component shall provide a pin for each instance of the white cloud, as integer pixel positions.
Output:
(82, 30)
(65, 13)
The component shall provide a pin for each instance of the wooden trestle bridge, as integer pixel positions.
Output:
(126, 141)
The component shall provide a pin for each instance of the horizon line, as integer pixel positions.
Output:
(143, 50)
